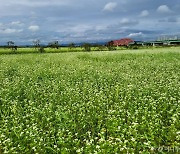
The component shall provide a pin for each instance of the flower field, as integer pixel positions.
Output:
(99, 102)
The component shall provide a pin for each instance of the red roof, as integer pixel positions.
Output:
(122, 42)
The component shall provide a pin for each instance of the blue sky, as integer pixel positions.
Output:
(23, 21)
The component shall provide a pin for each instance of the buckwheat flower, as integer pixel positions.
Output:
(133, 139)
(78, 150)
(34, 148)
(55, 146)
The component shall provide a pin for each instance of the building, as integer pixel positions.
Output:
(158, 43)
(121, 42)
(174, 42)
(137, 43)
(166, 43)
(130, 42)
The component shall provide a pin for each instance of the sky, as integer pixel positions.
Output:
(23, 21)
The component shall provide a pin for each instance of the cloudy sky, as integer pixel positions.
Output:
(87, 20)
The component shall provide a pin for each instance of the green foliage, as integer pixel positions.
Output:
(54, 44)
(103, 102)
(36, 44)
(41, 50)
(71, 46)
(133, 47)
(111, 48)
(12, 46)
(86, 47)
(100, 48)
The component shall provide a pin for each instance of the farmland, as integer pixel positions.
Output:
(27, 50)
(65, 49)
(95, 102)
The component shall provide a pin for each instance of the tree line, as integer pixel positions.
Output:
(36, 44)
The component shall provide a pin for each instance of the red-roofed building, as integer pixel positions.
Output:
(122, 42)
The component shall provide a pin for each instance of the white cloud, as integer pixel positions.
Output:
(144, 13)
(35, 3)
(100, 27)
(77, 35)
(10, 31)
(136, 34)
(127, 21)
(17, 23)
(33, 28)
(163, 9)
(178, 19)
(82, 28)
(110, 6)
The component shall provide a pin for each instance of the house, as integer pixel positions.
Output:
(121, 42)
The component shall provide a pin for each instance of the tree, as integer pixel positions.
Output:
(12, 46)
(110, 46)
(38, 47)
(100, 47)
(36, 44)
(54, 44)
(71, 46)
(86, 46)
(41, 50)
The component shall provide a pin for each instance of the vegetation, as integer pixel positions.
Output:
(72, 46)
(110, 46)
(97, 102)
(41, 50)
(86, 47)
(98, 47)
(36, 44)
(54, 47)
(11, 45)
(54, 44)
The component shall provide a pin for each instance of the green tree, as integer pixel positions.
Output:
(41, 49)
(12, 46)
(54, 44)
(110, 46)
(71, 46)
(86, 47)
(100, 47)
(36, 44)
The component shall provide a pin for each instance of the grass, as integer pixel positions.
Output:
(28, 50)
(32, 50)
(104, 102)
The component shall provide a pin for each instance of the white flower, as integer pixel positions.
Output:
(97, 146)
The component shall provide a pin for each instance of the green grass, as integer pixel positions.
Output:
(28, 50)
(104, 102)
(47, 50)
(33, 50)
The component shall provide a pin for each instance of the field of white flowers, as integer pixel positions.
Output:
(103, 102)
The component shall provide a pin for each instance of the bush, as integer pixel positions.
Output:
(87, 47)
(41, 50)
(133, 47)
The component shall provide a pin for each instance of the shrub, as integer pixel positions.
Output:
(41, 50)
